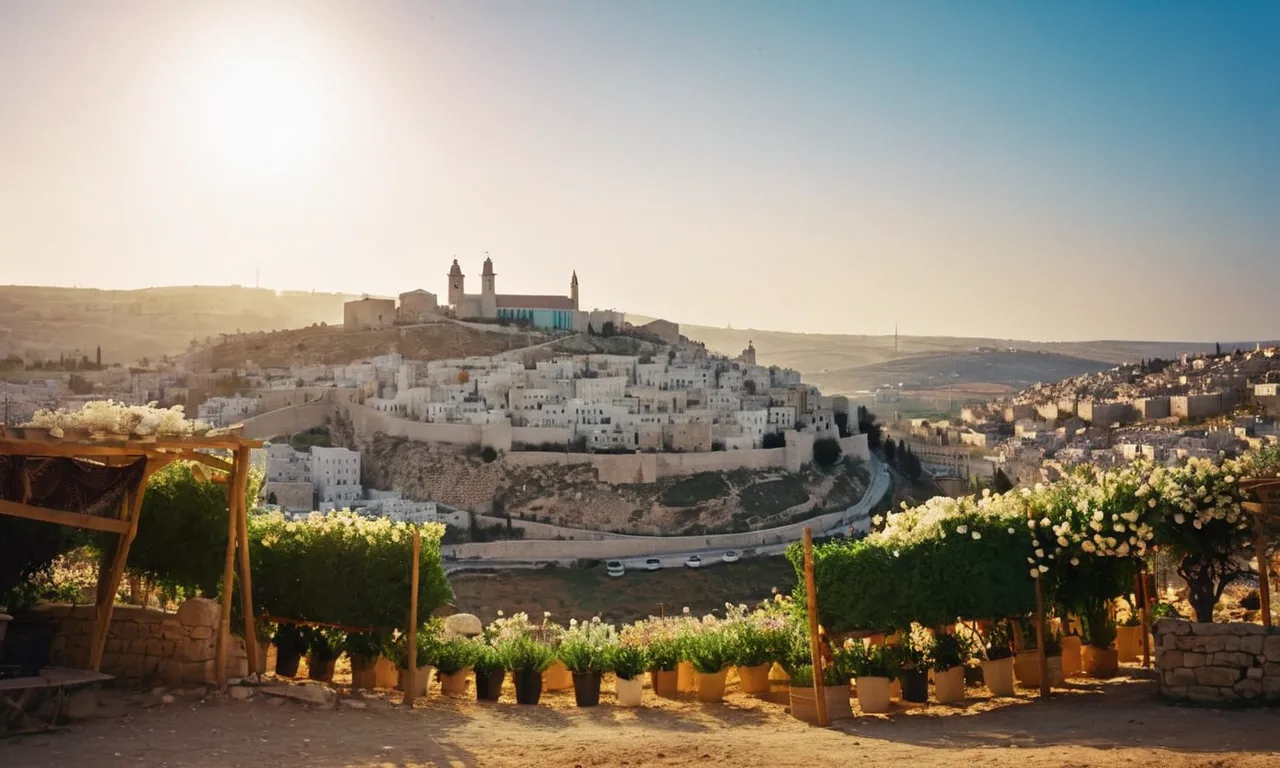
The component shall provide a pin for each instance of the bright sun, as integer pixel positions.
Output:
(261, 107)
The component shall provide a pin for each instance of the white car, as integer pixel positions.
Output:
(694, 562)
(615, 568)
(652, 564)
(730, 557)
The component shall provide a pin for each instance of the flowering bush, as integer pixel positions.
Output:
(629, 661)
(708, 648)
(112, 418)
(756, 637)
(522, 645)
(662, 639)
(365, 647)
(950, 650)
(588, 646)
(425, 645)
(857, 659)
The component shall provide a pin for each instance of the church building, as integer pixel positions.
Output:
(553, 312)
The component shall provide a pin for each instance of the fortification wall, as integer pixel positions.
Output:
(288, 421)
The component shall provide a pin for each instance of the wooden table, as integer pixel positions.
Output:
(16, 692)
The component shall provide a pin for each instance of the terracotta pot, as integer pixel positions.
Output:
(630, 692)
(1070, 656)
(873, 694)
(948, 685)
(1129, 643)
(1026, 668)
(320, 669)
(1099, 663)
(665, 683)
(455, 684)
(754, 680)
(836, 698)
(385, 673)
(711, 686)
(998, 676)
(557, 677)
(687, 678)
(778, 675)
(420, 680)
(363, 674)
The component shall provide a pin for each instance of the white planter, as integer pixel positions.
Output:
(630, 692)
(420, 680)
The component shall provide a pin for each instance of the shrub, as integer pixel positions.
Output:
(629, 661)
(365, 647)
(454, 655)
(709, 651)
(856, 659)
(661, 639)
(486, 659)
(325, 644)
(488, 454)
(290, 639)
(588, 646)
(950, 650)
(773, 440)
(424, 650)
(826, 452)
(998, 644)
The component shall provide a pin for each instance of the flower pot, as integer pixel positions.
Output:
(385, 673)
(1070, 656)
(711, 686)
(630, 692)
(586, 689)
(873, 694)
(755, 680)
(455, 683)
(895, 689)
(557, 677)
(687, 678)
(948, 685)
(420, 680)
(1055, 670)
(998, 676)
(1099, 663)
(1129, 643)
(836, 698)
(287, 663)
(778, 675)
(972, 676)
(1026, 668)
(489, 685)
(364, 677)
(915, 685)
(528, 685)
(665, 682)
(320, 669)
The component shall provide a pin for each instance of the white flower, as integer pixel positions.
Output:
(1031, 560)
(1151, 503)
(1035, 573)
(1087, 546)
(976, 536)
(685, 610)
(1075, 561)
(877, 520)
(499, 611)
(1035, 542)
(1044, 569)
(1062, 541)
(1039, 553)
(1179, 518)
(1012, 531)
(1045, 523)
(962, 529)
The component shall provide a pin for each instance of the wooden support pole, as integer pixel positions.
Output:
(58, 517)
(815, 644)
(1140, 599)
(1042, 658)
(411, 672)
(238, 493)
(1264, 572)
(222, 647)
(108, 586)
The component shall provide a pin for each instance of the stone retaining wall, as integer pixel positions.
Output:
(1217, 663)
(145, 643)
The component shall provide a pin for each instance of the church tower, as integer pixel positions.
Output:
(573, 289)
(488, 292)
(456, 278)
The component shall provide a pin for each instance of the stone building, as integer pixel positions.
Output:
(366, 313)
(553, 312)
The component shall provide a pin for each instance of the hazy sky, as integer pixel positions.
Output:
(1017, 169)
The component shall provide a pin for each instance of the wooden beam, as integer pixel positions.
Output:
(58, 517)
(212, 462)
(237, 493)
(815, 643)
(1042, 658)
(228, 580)
(411, 670)
(107, 590)
(1264, 571)
(139, 448)
(1140, 599)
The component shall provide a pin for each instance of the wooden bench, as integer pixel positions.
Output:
(16, 693)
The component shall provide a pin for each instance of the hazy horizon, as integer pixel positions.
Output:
(991, 169)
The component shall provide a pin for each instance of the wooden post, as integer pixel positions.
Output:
(815, 645)
(412, 671)
(1042, 658)
(1264, 572)
(238, 491)
(228, 577)
(1140, 599)
(107, 588)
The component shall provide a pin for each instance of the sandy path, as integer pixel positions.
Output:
(1121, 727)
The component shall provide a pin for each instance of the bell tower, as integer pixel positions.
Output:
(573, 289)
(456, 279)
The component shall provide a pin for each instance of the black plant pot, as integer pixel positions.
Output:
(915, 686)
(287, 663)
(489, 685)
(26, 645)
(528, 685)
(973, 676)
(586, 688)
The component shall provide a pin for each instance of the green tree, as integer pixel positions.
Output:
(890, 451)
(826, 452)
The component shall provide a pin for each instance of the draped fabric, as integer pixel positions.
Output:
(67, 484)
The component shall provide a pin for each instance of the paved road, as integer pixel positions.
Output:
(858, 516)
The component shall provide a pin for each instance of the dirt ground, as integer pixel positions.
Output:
(1114, 724)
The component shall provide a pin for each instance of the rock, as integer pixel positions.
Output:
(1217, 676)
(1254, 673)
(353, 704)
(167, 699)
(1271, 647)
(1169, 660)
(1231, 643)
(1204, 693)
(201, 633)
(1249, 689)
(1183, 677)
(309, 693)
(81, 705)
(1232, 659)
(241, 692)
(1194, 660)
(1246, 629)
(199, 612)
(1251, 644)
(462, 625)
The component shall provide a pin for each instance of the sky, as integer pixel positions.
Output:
(1000, 168)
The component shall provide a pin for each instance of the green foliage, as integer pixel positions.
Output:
(365, 646)
(629, 661)
(424, 650)
(341, 568)
(454, 655)
(588, 646)
(28, 549)
(182, 531)
(998, 642)
(526, 653)
(950, 650)
(486, 658)
(1164, 611)
(708, 651)
(826, 452)
(325, 644)
(291, 639)
(857, 659)
(694, 490)
(802, 676)
(1086, 590)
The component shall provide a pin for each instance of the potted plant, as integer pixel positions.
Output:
(1098, 659)
(997, 667)
(291, 642)
(586, 650)
(1053, 657)
(835, 693)
(755, 639)
(1129, 636)
(629, 663)
(710, 654)
(364, 649)
(1026, 664)
(661, 641)
(424, 650)
(488, 668)
(324, 648)
(913, 664)
(950, 653)
(873, 668)
(526, 657)
(452, 660)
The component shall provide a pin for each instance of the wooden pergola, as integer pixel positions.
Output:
(144, 456)
(1264, 508)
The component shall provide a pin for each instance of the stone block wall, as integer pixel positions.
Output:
(1217, 663)
(146, 643)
